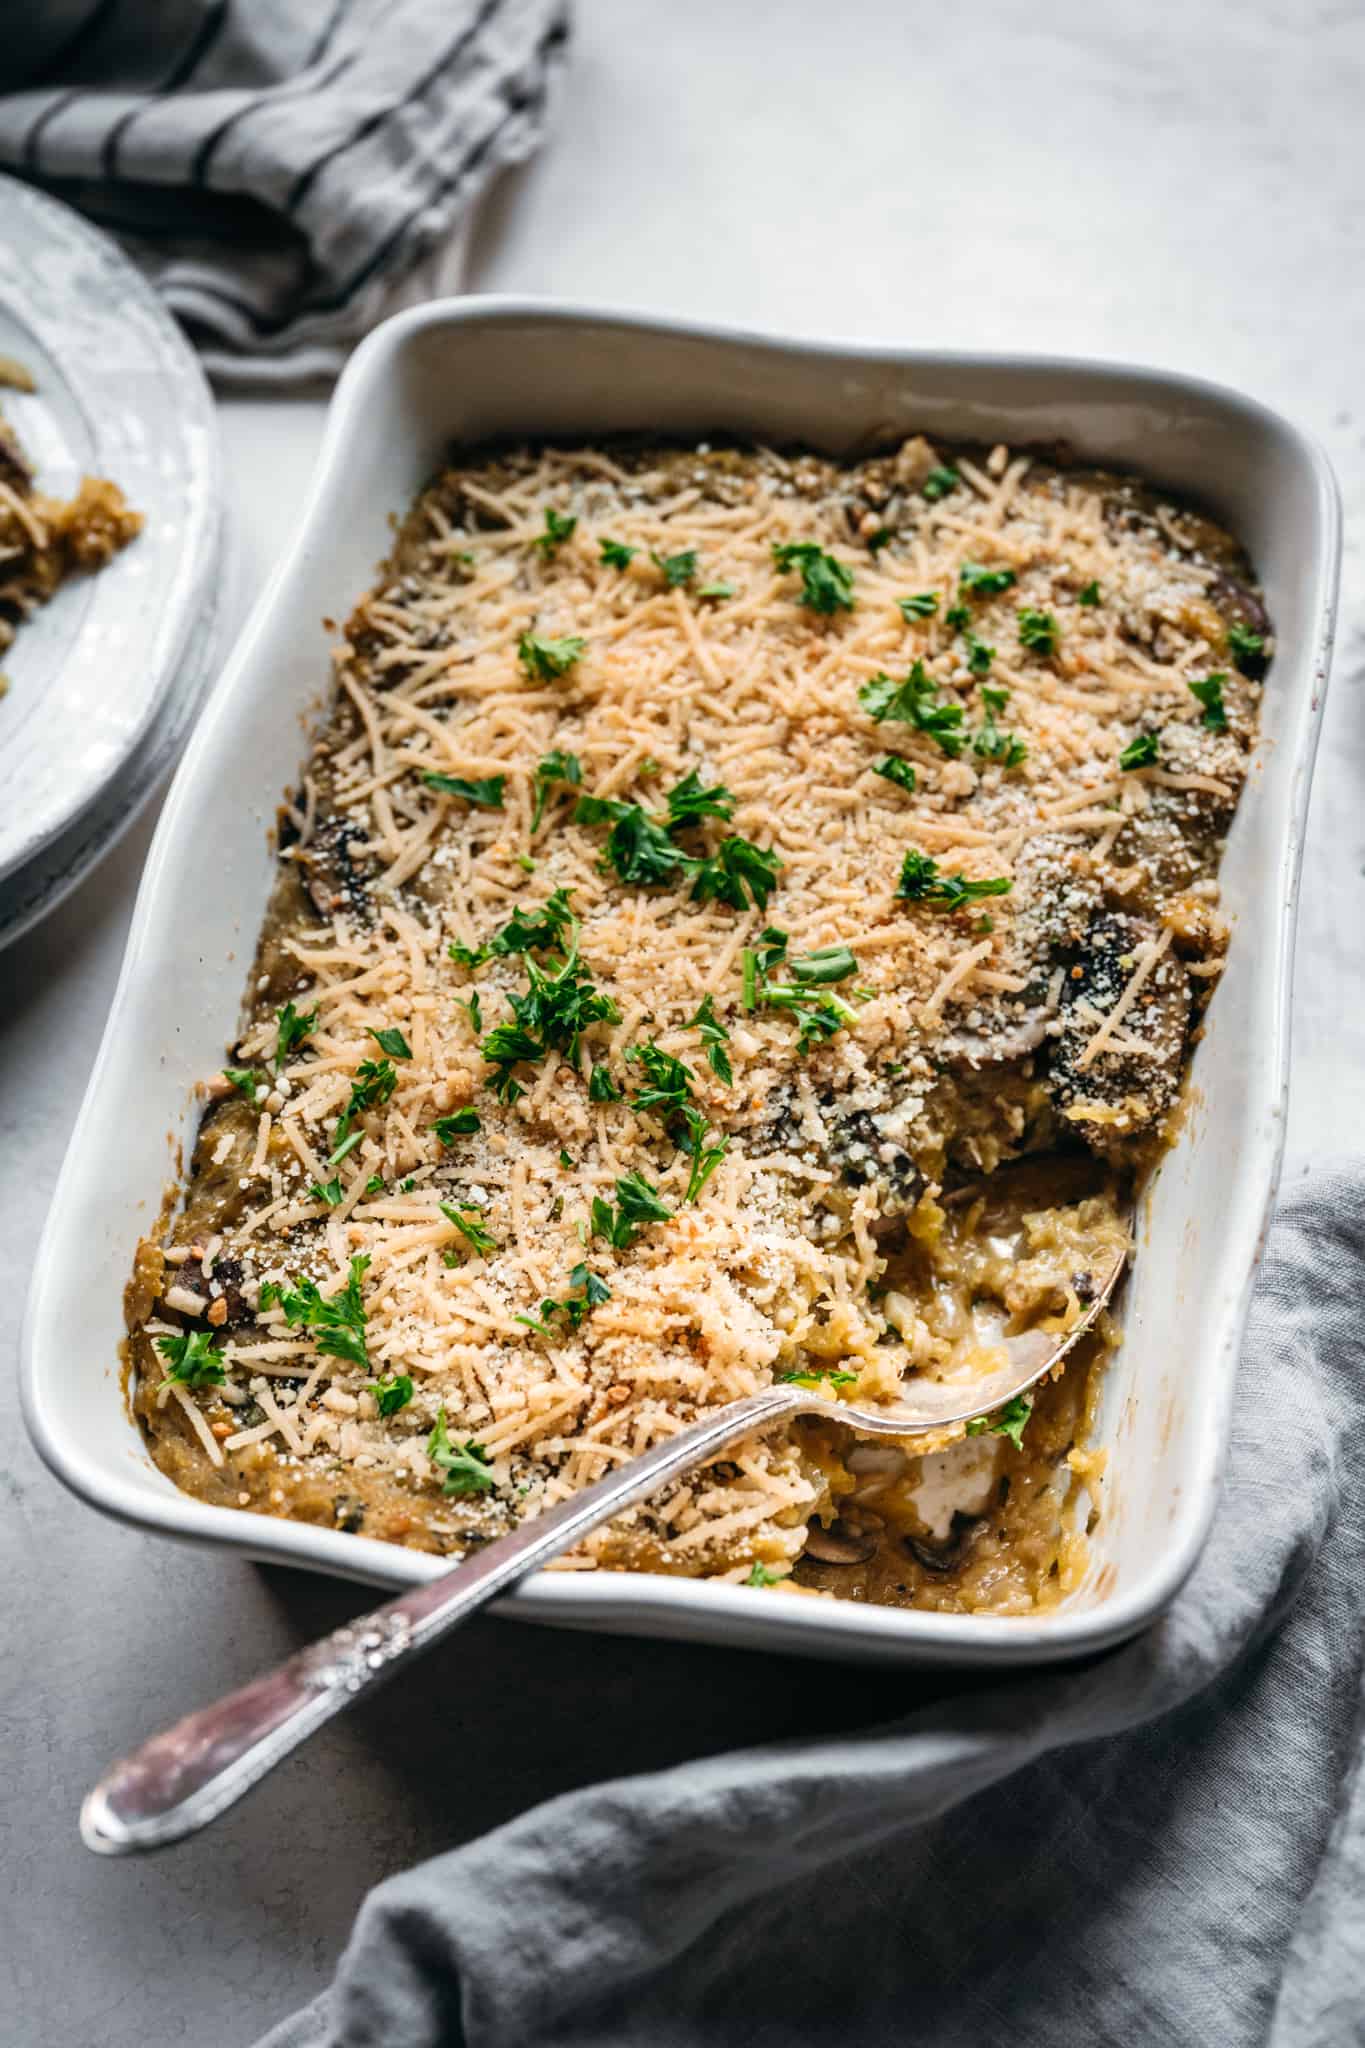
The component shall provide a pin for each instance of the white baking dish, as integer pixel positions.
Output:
(469, 369)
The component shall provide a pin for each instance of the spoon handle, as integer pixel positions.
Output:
(184, 1778)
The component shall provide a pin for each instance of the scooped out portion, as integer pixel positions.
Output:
(744, 917)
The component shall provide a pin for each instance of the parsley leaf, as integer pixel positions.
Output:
(716, 590)
(1090, 595)
(922, 605)
(602, 1084)
(462, 1124)
(616, 554)
(551, 1016)
(957, 616)
(992, 744)
(670, 1081)
(553, 768)
(1140, 752)
(676, 569)
(467, 956)
(921, 882)
(738, 873)
(715, 1038)
(486, 794)
(813, 1375)
(558, 529)
(291, 1029)
(392, 1042)
(705, 1158)
(639, 1203)
(688, 802)
(245, 1080)
(939, 482)
(979, 655)
(826, 964)
(330, 1191)
(191, 1360)
(638, 846)
(914, 702)
(374, 1082)
(759, 1575)
(1246, 648)
(337, 1323)
(894, 769)
(1038, 631)
(466, 1221)
(1210, 694)
(535, 930)
(1007, 1421)
(826, 584)
(465, 1469)
(544, 659)
(391, 1393)
(981, 582)
(756, 960)
(817, 1016)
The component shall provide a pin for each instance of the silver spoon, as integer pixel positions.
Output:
(186, 1777)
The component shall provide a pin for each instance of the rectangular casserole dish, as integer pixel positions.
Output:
(466, 371)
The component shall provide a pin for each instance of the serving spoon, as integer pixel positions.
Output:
(184, 1778)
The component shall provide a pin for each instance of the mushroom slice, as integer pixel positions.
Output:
(841, 1543)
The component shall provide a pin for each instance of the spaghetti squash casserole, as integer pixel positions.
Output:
(744, 917)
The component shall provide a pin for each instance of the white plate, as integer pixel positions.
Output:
(473, 368)
(120, 395)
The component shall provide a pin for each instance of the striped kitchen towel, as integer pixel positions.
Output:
(285, 171)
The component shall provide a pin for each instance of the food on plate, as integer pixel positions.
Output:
(745, 916)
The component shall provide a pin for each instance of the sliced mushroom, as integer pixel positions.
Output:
(947, 1556)
(840, 1543)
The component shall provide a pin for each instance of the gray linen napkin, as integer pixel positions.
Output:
(285, 171)
(1166, 1845)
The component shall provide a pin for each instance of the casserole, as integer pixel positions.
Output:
(464, 372)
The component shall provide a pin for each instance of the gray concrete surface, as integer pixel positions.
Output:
(1154, 182)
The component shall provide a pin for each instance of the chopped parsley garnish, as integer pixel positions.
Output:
(914, 702)
(391, 1393)
(882, 538)
(191, 1360)
(462, 1123)
(670, 1081)
(922, 605)
(550, 769)
(244, 1079)
(1090, 595)
(738, 873)
(1038, 631)
(979, 655)
(602, 1085)
(992, 744)
(705, 1158)
(759, 1575)
(813, 1375)
(896, 770)
(616, 554)
(826, 584)
(551, 1016)
(375, 1184)
(486, 794)
(939, 482)
(291, 1029)
(981, 582)
(676, 569)
(1246, 648)
(559, 527)
(466, 1221)
(638, 1203)
(344, 1143)
(638, 846)
(827, 964)
(817, 1016)
(756, 960)
(375, 1081)
(715, 1038)
(464, 1469)
(535, 930)
(921, 882)
(467, 956)
(475, 1009)
(688, 802)
(575, 1307)
(716, 590)
(565, 1159)
(328, 1191)
(392, 1042)
(1007, 1421)
(1209, 692)
(957, 616)
(545, 659)
(1141, 752)
(337, 1324)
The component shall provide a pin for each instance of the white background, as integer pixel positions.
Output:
(1158, 183)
